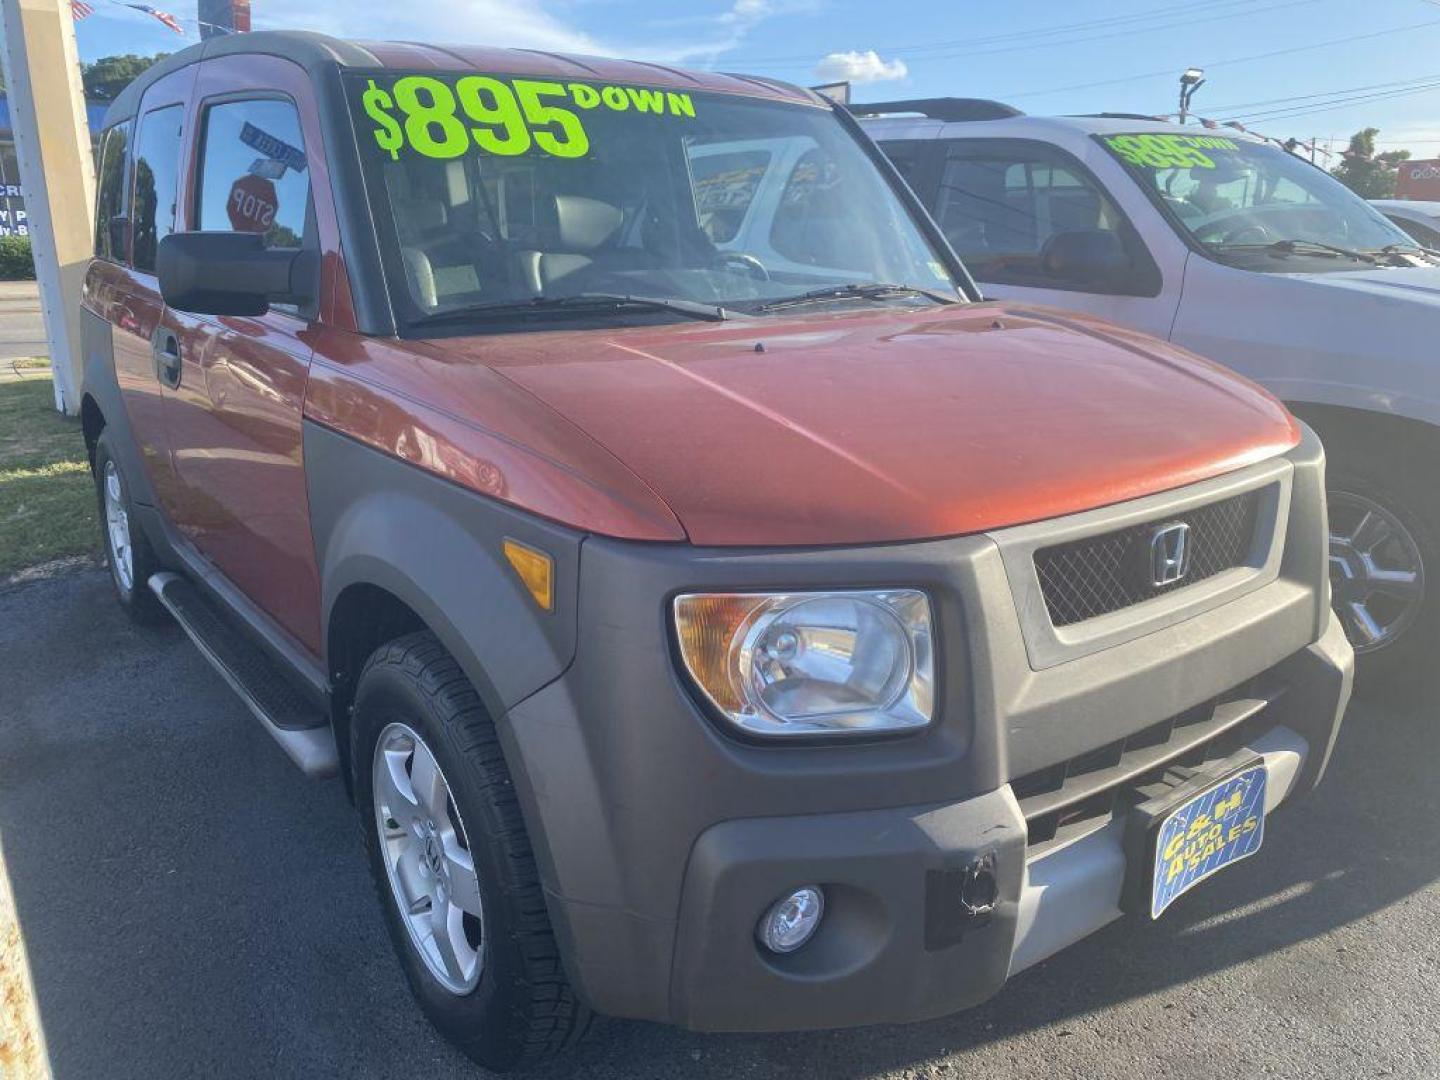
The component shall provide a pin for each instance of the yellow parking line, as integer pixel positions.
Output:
(22, 1041)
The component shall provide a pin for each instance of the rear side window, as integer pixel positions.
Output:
(725, 184)
(110, 199)
(157, 163)
(253, 175)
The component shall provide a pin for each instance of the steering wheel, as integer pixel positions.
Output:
(1225, 227)
(753, 266)
(1247, 234)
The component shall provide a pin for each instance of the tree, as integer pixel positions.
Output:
(107, 76)
(1363, 171)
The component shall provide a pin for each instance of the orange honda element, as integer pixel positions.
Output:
(717, 613)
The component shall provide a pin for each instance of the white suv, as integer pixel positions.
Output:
(1246, 254)
(1420, 218)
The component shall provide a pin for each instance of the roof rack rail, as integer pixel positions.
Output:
(1151, 117)
(950, 110)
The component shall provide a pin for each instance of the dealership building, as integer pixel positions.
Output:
(12, 196)
(1418, 180)
(213, 17)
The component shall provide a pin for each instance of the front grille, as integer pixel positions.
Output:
(1101, 574)
(1084, 792)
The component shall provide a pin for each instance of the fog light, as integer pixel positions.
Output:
(792, 920)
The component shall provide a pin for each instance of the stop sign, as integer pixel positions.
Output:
(252, 204)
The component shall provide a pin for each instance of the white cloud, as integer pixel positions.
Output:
(748, 12)
(859, 67)
(718, 34)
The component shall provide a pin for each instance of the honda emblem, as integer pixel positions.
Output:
(1169, 554)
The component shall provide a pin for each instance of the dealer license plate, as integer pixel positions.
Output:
(1208, 832)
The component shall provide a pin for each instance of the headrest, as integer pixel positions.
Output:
(583, 224)
(418, 216)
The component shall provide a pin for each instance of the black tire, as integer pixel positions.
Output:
(522, 1009)
(1397, 480)
(135, 596)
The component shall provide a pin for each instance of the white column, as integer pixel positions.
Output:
(57, 171)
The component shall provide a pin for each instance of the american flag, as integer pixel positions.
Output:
(80, 10)
(164, 16)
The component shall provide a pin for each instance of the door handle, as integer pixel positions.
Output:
(167, 357)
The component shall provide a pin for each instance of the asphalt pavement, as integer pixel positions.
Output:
(22, 327)
(192, 906)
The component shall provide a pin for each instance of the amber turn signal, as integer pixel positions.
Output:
(708, 627)
(536, 571)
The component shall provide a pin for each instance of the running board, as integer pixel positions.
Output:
(302, 730)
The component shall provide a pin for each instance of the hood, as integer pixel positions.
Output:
(891, 424)
(1386, 283)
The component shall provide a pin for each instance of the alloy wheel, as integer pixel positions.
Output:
(1377, 575)
(117, 528)
(427, 859)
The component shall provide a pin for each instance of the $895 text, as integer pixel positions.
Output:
(443, 119)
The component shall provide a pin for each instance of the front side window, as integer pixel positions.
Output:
(497, 190)
(1422, 234)
(1255, 204)
(909, 156)
(252, 172)
(157, 164)
(808, 226)
(1012, 211)
(110, 199)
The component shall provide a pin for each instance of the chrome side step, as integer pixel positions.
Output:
(302, 730)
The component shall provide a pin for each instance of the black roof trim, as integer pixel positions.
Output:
(1149, 117)
(950, 110)
(309, 50)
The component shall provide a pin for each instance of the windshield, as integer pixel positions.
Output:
(497, 194)
(1245, 200)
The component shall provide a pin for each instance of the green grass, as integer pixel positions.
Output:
(47, 500)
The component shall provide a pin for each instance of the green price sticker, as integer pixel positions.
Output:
(445, 118)
(1168, 151)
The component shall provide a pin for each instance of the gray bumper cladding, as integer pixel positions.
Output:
(662, 841)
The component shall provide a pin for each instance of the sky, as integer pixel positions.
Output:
(1305, 68)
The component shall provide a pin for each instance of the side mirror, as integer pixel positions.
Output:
(232, 273)
(1086, 255)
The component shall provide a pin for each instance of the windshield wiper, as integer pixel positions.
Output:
(1302, 247)
(580, 303)
(874, 290)
(1403, 250)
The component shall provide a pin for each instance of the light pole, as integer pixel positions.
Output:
(1190, 81)
(57, 171)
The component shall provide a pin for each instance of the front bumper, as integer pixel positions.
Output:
(891, 880)
(661, 840)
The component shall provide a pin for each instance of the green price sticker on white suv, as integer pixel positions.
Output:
(1169, 151)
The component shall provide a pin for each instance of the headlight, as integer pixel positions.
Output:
(778, 664)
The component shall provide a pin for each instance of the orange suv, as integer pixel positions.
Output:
(718, 615)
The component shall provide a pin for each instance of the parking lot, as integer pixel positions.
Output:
(22, 329)
(192, 906)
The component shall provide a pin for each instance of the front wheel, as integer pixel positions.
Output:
(452, 862)
(127, 550)
(1384, 569)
